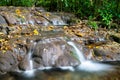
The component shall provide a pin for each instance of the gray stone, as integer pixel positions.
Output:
(3, 21)
(7, 61)
(53, 53)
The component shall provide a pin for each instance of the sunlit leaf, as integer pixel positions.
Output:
(97, 46)
(50, 28)
(47, 14)
(1, 33)
(3, 51)
(18, 12)
(35, 32)
(65, 27)
(1, 40)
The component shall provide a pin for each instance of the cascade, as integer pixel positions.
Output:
(79, 53)
(87, 65)
(31, 70)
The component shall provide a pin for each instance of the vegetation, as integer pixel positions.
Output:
(105, 11)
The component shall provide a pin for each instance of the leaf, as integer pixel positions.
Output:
(47, 14)
(65, 27)
(97, 47)
(1, 33)
(50, 28)
(18, 12)
(1, 40)
(35, 32)
(3, 51)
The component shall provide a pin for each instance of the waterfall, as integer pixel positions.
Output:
(30, 55)
(87, 65)
(31, 70)
(79, 53)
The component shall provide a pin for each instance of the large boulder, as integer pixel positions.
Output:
(8, 62)
(53, 53)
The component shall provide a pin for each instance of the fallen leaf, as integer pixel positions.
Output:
(18, 12)
(3, 51)
(35, 32)
(50, 28)
(65, 27)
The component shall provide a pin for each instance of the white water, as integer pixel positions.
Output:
(30, 72)
(70, 68)
(79, 53)
(67, 68)
(88, 65)
(30, 60)
(31, 64)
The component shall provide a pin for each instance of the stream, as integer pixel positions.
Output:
(60, 74)
(42, 45)
(86, 70)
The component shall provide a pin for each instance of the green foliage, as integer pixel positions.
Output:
(26, 3)
(4, 2)
(105, 11)
(92, 24)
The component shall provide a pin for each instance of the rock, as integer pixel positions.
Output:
(5, 30)
(41, 21)
(53, 19)
(53, 52)
(10, 18)
(68, 18)
(8, 61)
(57, 21)
(114, 35)
(40, 9)
(108, 52)
(115, 38)
(24, 64)
(3, 21)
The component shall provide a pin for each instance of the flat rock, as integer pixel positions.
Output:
(108, 52)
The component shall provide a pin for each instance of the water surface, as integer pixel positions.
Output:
(59, 74)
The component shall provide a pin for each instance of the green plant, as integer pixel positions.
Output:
(26, 3)
(106, 12)
(93, 24)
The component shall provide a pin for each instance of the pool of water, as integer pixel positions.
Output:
(60, 74)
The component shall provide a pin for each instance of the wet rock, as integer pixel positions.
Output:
(53, 52)
(24, 63)
(3, 21)
(8, 61)
(41, 21)
(67, 17)
(53, 19)
(57, 21)
(10, 18)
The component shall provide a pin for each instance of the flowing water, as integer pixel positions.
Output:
(87, 70)
(87, 65)
(79, 53)
(59, 74)
(30, 71)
